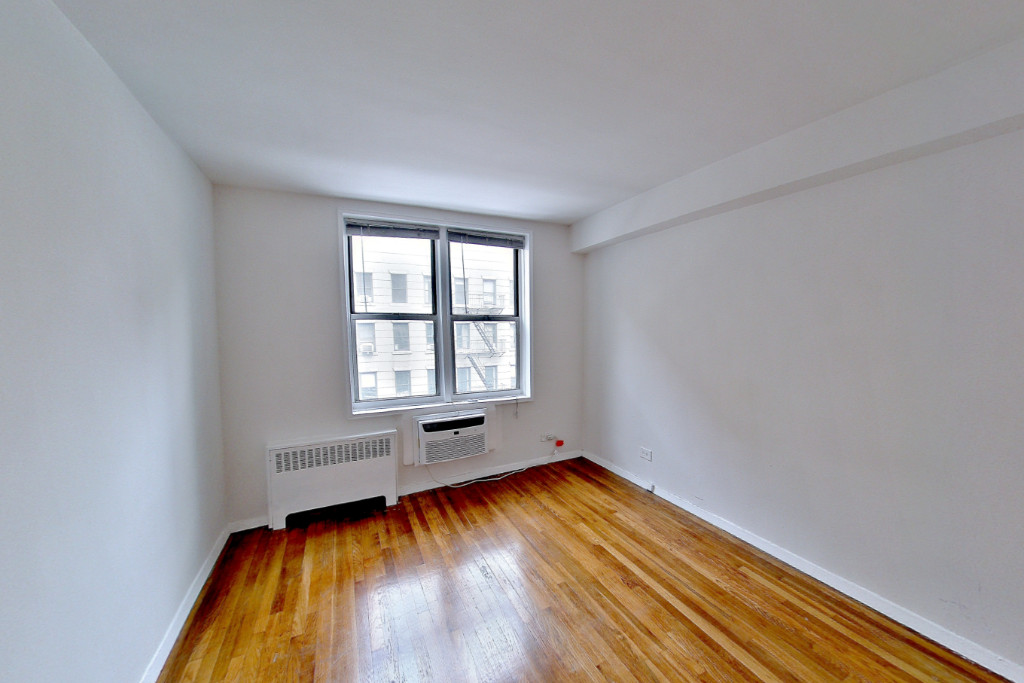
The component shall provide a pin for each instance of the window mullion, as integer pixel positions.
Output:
(445, 354)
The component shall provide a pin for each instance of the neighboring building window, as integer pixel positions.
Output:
(442, 359)
(364, 286)
(462, 336)
(401, 332)
(459, 293)
(463, 380)
(366, 337)
(367, 385)
(399, 291)
(403, 382)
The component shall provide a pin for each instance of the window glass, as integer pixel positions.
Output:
(373, 257)
(483, 279)
(396, 350)
(488, 344)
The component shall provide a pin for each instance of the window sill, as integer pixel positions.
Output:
(439, 406)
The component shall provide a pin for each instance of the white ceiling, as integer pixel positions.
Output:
(546, 109)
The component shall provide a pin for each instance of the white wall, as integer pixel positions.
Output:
(283, 344)
(841, 372)
(112, 492)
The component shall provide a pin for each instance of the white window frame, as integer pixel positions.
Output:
(444, 328)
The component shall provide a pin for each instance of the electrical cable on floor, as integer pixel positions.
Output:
(459, 485)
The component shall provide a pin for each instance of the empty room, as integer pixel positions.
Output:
(493, 341)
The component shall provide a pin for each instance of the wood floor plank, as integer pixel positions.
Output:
(564, 572)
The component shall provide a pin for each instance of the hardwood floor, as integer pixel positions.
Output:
(562, 572)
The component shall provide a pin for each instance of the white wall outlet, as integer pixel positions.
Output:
(646, 453)
(548, 437)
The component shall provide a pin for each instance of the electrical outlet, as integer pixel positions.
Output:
(548, 437)
(646, 453)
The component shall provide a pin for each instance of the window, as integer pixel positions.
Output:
(459, 292)
(465, 338)
(364, 286)
(401, 332)
(463, 380)
(399, 293)
(366, 337)
(462, 336)
(403, 382)
(367, 385)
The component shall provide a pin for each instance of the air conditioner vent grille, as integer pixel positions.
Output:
(454, 447)
(298, 458)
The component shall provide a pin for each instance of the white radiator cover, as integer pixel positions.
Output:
(318, 474)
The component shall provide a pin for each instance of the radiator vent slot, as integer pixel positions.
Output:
(315, 475)
(332, 453)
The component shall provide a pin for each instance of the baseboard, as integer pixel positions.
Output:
(416, 487)
(246, 524)
(156, 663)
(962, 646)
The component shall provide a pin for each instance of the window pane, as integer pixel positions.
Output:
(487, 360)
(431, 381)
(483, 279)
(382, 262)
(401, 364)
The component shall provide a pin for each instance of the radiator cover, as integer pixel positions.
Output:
(322, 473)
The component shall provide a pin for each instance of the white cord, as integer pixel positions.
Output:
(496, 478)
(477, 481)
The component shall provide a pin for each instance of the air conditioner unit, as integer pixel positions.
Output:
(451, 436)
(366, 347)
